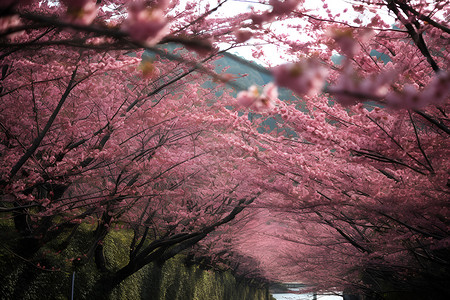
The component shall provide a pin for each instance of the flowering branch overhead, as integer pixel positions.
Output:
(137, 116)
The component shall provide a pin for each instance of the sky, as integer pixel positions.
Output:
(233, 6)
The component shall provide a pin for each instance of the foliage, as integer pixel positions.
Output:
(348, 180)
(22, 279)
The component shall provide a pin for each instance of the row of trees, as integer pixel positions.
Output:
(91, 133)
(365, 179)
(347, 189)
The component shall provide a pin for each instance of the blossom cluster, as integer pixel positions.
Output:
(306, 77)
(351, 89)
(147, 24)
(436, 92)
(252, 98)
(279, 8)
(81, 11)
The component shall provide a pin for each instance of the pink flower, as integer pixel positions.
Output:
(161, 4)
(407, 98)
(243, 35)
(247, 98)
(258, 19)
(279, 8)
(436, 92)
(306, 77)
(81, 11)
(202, 46)
(345, 40)
(350, 88)
(285, 7)
(146, 24)
(253, 99)
(148, 69)
(270, 92)
(45, 202)
(9, 22)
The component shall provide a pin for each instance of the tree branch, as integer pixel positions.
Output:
(422, 17)
(50, 121)
(416, 37)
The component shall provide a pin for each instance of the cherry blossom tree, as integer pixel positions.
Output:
(349, 186)
(95, 131)
(380, 216)
(365, 178)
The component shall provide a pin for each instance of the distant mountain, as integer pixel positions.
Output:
(255, 74)
(246, 74)
(252, 72)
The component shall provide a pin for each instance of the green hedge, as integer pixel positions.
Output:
(22, 278)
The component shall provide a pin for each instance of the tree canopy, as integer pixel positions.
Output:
(331, 168)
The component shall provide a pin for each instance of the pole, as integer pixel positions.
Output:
(73, 284)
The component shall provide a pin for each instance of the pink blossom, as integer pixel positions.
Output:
(161, 4)
(202, 47)
(146, 24)
(346, 41)
(248, 97)
(306, 77)
(258, 19)
(407, 98)
(45, 202)
(350, 88)
(81, 11)
(279, 8)
(253, 99)
(243, 35)
(148, 69)
(436, 92)
(285, 7)
(8, 22)
(270, 92)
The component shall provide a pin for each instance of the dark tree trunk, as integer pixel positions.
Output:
(106, 284)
